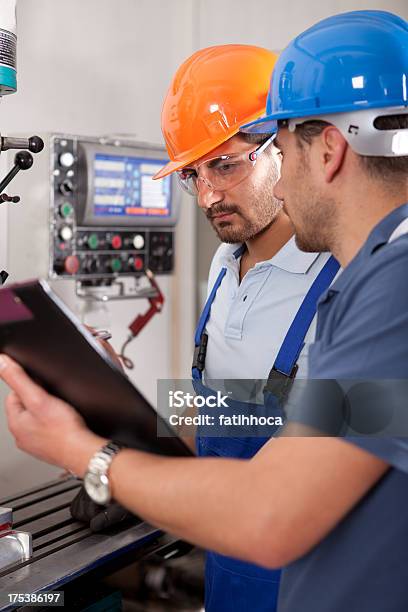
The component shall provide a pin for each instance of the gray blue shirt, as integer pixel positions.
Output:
(362, 333)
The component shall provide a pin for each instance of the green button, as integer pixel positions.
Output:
(66, 209)
(116, 265)
(93, 241)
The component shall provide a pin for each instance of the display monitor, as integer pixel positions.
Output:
(123, 186)
(116, 186)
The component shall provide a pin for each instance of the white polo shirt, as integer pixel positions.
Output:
(249, 321)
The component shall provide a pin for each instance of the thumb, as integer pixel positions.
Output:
(31, 395)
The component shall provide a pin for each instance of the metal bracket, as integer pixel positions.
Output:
(144, 292)
(15, 546)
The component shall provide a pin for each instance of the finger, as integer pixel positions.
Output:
(14, 411)
(31, 395)
(15, 403)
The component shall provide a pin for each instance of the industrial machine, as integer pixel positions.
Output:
(101, 221)
(108, 218)
(96, 219)
(92, 204)
(63, 557)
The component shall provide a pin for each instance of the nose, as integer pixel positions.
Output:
(207, 195)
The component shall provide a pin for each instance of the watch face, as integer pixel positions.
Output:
(97, 487)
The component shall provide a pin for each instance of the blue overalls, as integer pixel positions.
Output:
(232, 585)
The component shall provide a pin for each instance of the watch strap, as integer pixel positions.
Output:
(101, 460)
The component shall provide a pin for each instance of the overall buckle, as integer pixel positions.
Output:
(200, 352)
(279, 384)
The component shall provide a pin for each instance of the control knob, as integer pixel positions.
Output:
(65, 210)
(138, 241)
(66, 233)
(66, 159)
(116, 242)
(92, 266)
(114, 265)
(136, 263)
(66, 187)
(69, 265)
(91, 241)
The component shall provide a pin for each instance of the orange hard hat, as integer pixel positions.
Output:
(212, 94)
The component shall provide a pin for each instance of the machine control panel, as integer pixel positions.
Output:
(88, 245)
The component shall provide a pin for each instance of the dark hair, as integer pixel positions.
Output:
(257, 139)
(382, 168)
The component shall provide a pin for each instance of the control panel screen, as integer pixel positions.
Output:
(123, 187)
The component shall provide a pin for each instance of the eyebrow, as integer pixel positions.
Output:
(216, 160)
(212, 162)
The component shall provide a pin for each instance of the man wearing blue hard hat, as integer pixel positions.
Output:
(339, 98)
(331, 511)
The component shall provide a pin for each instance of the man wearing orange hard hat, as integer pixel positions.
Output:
(262, 290)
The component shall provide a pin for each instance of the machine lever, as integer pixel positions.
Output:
(35, 144)
(156, 306)
(6, 198)
(22, 161)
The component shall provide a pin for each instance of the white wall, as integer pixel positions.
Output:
(272, 23)
(102, 66)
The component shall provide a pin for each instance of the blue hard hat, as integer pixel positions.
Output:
(348, 62)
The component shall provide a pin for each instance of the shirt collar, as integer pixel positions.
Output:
(289, 258)
(378, 236)
(383, 230)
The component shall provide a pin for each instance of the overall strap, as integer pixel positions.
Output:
(201, 338)
(285, 366)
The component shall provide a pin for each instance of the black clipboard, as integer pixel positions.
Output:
(39, 332)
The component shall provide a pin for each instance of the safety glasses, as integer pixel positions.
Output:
(222, 172)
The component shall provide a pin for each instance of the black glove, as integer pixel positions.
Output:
(84, 509)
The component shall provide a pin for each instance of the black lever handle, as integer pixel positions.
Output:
(35, 144)
(6, 198)
(23, 160)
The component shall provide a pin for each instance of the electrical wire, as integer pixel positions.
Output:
(127, 362)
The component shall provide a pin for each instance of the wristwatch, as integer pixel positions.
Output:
(96, 481)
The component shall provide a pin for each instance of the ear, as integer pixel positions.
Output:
(334, 147)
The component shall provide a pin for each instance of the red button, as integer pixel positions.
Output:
(138, 263)
(71, 264)
(116, 242)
